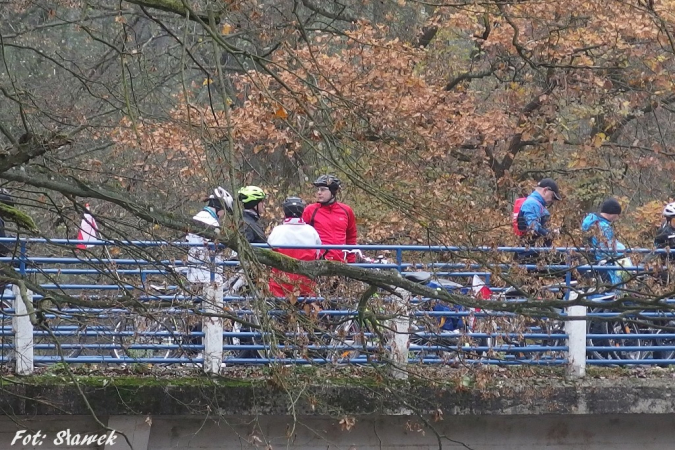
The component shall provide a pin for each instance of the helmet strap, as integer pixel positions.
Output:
(331, 200)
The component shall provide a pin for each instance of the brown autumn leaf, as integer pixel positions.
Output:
(347, 423)
(280, 112)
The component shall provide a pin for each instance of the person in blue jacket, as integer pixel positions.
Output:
(533, 217)
(599, 231)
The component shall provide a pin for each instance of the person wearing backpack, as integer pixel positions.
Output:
(253, 200)
(532, 219)
(598, 229)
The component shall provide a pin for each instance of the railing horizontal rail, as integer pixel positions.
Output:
(392, 247)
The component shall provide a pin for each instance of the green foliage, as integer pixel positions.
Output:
(21, 219)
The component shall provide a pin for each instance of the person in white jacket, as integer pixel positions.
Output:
(293, 231)
(200, 264)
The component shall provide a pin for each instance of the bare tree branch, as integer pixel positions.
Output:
(29, 147)
(468, 76)
(171, 6)
(8, 135)
(613, 132)
(335, 16)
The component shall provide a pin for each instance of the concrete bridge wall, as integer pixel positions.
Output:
(552, 432)
(155, 414)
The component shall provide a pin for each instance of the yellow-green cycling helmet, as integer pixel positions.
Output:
(250, 196)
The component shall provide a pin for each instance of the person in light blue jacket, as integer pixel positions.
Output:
(599, 231)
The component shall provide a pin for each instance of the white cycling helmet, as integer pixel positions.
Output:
(669, 210)
(220, 198)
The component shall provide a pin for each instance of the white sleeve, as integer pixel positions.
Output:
(275, 237)
(317, 239)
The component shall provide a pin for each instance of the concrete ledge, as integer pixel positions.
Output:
(201, 396)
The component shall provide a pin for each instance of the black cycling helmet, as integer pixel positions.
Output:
(330, 181)
(293, 207)
(6, 197)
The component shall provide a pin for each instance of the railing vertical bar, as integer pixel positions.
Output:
(22, 258)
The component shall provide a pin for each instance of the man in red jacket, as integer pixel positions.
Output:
(334, 221)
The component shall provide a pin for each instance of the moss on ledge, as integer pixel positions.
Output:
(354, 391)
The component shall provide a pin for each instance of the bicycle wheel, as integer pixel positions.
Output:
(597, 327)
(70, 334)
(346, 342)
(539, 348)
(253, 328)
(420, 345)
(668, 354)
(285, 334)
(614, 327)
(553, 327)
(660, 326)
(140, 337)
(627, 328)
(352, 340)
(430, 342)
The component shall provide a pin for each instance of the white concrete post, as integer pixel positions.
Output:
(399, 337)
(23, 334)
(213, 328)
(576, 332)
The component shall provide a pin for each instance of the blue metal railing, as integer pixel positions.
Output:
(97, 335)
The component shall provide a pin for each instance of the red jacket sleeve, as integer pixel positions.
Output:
(307, 214)
(351, 233)
(351, 227)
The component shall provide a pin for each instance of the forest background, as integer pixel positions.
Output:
(435, 115)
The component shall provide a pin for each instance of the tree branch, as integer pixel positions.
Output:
(171, 6)
(517, 143)
(339, 16)
(614, 131)
(29, 147)
(78, 188)
(428, 34)
(468, 76)
(8, 135)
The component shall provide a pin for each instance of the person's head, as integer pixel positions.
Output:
(548, 189)
(6, 197)
(327, 187)
(220, 201)
(252, 197)
(293, 207)
(669, 212)
(610, 209)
